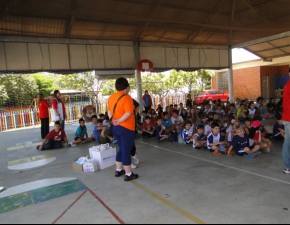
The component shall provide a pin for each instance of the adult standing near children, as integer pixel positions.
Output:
(43, 107)
(286, 122)
(121, 110)
(58, 109)
(147, 101)
(188, 102)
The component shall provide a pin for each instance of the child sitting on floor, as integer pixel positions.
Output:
(258, 137)
(264, 111)
(199, 139)
(214, 139)
(252, 111)
(229, 130)
(103, 134)
(186, 134)
(240, 144)
(81, 135)
(93, 124)
(148, 128)
(241, 113)
(207, 127)
(160, 131)
(247, 126)
(278, 129)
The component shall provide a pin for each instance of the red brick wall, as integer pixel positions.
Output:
(247, 83)
(274, 70)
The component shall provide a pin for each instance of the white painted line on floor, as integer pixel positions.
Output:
(34, 185)
(219, 164)
(33, 164)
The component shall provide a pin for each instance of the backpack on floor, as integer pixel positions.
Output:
(173, 136)
(180, 139)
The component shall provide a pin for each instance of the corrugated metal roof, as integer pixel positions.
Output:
(271, 49)
(206, 22)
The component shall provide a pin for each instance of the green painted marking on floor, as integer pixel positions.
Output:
(15, 202)
(57, 190)
(31, 159)
(40, 195)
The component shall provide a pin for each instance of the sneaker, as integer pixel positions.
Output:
(114, 141)
(250, 156)
(133, 165)
(135, 160)
(258, 153)
(266, 150)
(132, 177)
(217, 153)
(286, 171)
(139, 132)
(119, 173)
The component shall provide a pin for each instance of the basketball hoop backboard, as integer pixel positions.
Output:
(145, 65)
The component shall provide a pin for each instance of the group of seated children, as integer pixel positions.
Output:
(210, 133)
(101, 132)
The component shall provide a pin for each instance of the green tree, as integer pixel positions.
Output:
(198, 80)
(174, 82)
(108, 87)
(85, 82)
(21, 89)
(46, 83)
(3, 95)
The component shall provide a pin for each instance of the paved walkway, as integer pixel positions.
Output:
(177, 184)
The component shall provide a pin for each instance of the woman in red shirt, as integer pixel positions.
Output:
(43, 107)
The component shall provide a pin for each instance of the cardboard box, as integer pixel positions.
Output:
(104, 158)
(76, 166)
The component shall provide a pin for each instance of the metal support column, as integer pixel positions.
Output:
(138, 75)
(230, 78)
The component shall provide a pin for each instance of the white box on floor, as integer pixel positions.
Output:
(90, 166)
(104, 158)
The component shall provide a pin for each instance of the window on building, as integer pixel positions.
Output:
(222, 81)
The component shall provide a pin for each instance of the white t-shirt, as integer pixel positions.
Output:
(211, 138)
(105, 123)
(251, 112)
(92, 127)
(207, 129)
(207, 110)
(177, 121)
(221, 112)
(229, 132)
(191, 130)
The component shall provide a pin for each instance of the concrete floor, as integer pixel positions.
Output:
(177, 184)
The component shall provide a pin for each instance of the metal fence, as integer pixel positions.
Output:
(30, 118)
